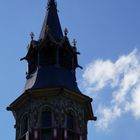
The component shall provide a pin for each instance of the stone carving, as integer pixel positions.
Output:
(60, 107)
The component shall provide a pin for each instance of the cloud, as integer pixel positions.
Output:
(109, 115)
(123, 78)
(134, 105)
(103, 73)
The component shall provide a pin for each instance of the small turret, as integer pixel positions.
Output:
(52, 60)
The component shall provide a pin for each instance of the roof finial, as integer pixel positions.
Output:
(65, 31)
(32, 35)
(74, 42)
(51, 2)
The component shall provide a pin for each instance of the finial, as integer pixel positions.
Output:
(52, 2)
(49, 1)
(65, 31)
(32, 35)
(74, 42)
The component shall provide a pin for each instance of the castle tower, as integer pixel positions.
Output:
(51, 107)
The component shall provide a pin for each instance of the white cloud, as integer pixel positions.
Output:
(109, 115)
(102, 71)
(134, 105)
(123, 77)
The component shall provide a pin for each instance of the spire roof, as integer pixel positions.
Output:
(52, 60)
(51, 23)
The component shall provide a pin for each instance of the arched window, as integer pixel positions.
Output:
(70, 121)
(71, 134)
(65, 57)
(47, 55)
(46, 119)
(46, 124)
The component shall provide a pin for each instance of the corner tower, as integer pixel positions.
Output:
(51, 107)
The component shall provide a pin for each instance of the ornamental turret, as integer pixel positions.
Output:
(51, 107)
(52, 60)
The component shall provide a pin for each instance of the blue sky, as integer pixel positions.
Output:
(108, 37)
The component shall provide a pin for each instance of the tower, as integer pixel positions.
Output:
(51, 107)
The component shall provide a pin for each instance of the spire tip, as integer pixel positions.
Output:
(52, 2)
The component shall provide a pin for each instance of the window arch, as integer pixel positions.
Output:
(46, 125)
(71, 126)
(70, 121)
(46, 119)
(47, 55)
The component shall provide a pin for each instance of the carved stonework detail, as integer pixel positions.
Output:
(59, 105)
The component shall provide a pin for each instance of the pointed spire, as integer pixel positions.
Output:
(51, 22)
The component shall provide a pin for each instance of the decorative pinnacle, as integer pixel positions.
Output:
(66, 31)
(32, 35)
(74, 42)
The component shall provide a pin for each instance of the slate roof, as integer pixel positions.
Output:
(49, 75)
(52, 22)
(52, 76)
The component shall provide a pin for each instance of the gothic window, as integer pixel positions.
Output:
(65, 58)
(46, 124)
(47, 55)
(71, 135)
(46, 119)
(51, 55)
(70, 122)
